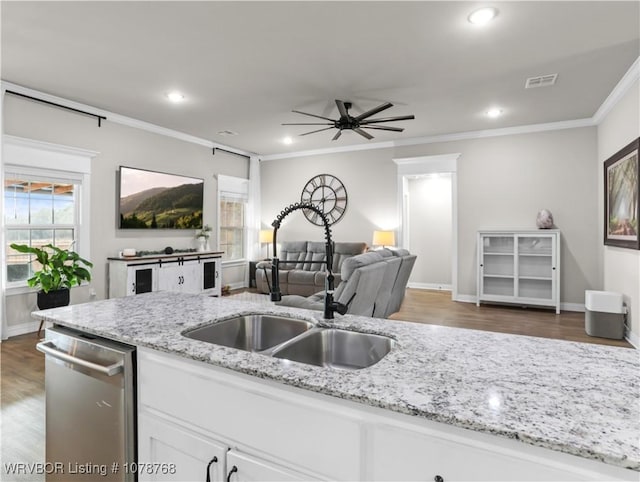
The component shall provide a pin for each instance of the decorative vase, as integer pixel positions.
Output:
(206, 245)
(53, 299)
(544, 220)
(202, 242)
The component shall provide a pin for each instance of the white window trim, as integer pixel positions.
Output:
(26, 155)
(235, 186)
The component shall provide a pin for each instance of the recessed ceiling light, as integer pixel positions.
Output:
(483, 16)
(494, 112)
(287, 140)
(175, 96)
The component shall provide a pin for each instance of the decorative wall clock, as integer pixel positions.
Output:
(327, 193)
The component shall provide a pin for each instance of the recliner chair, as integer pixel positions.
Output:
(361, 275)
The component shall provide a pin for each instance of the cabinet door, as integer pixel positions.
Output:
(192, 277)
(246, 468)
(170, 277)
(497, 266)
(211, 275)
(140, 279)
(403, 455)
(536, 268)
(168, 452)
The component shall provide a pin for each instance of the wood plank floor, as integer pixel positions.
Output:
(436, 308)
(22, 367)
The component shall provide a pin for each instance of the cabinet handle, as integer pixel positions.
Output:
(133, 287)
(233, 470)
(216, 274)
(214, 460)
(438, 478)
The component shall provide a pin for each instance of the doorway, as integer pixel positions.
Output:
(427, 207)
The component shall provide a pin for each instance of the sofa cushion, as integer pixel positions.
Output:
(292, 251)
(342, 251)
(316, 251)
(302, 277)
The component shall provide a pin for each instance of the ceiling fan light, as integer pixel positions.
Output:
(482, 16)
(494, 112)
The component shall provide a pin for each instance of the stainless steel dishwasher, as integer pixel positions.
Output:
(90, 407)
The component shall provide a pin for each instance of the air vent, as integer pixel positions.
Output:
(541, 81)
(227, 133)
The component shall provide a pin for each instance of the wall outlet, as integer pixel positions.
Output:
(92, 293)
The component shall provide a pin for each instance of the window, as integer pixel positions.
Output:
(37, 211)
(232, 214)
(42, 205)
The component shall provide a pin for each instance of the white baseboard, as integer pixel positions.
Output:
(633, 339)
(465, 298)
(579, 307)
(430, 286)
(22, 328)
(237, 285)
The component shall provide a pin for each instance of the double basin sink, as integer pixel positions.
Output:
(296, 340)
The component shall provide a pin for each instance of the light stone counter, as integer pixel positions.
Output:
(577, 398)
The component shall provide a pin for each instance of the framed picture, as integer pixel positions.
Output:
(621, 200)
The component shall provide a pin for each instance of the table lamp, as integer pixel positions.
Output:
(266, 237)
(384, 238)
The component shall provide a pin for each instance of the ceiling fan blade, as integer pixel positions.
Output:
(385, 128)
(312, 115)
(307, 124)
(338, 134)
(374, 111)
(342, 108)
(319, 130)
(363, 133)
(388, 119)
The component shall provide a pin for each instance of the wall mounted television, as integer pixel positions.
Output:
(156, 200)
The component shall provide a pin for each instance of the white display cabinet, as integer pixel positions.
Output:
(185, 272)
(520, 267)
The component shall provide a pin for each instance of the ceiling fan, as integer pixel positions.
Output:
(354, 123)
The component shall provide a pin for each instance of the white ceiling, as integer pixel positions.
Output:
(243, 66)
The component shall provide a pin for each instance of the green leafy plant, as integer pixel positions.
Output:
(204, 232)
(61, 268)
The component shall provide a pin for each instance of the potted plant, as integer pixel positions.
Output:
(202, 237)
(61, 269)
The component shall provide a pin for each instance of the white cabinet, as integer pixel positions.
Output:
(400, 454)
(519, 267)
(168, 452)
(187, 273)
(183, 276)
(246, 468)
(277, 432)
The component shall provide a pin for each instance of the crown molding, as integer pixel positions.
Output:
(48, 146)
(626, 82)
(123, 120)
(459, 136)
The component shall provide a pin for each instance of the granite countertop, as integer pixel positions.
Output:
(578, 398)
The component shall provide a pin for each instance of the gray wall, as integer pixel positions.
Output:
(502, 183)
(118, 145)
(621, 267)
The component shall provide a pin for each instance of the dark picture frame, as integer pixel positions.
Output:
(158, 200)
(621, 198)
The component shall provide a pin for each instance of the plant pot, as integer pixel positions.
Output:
(53, 299)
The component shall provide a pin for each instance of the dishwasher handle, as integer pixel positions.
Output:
(47, 347)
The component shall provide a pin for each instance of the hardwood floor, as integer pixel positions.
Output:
(22, 367)
(21, 406)
(436, 308)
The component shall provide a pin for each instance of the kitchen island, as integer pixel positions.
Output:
(445, 402)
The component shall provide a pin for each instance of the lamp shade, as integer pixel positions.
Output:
(384, 238)
(266, 236)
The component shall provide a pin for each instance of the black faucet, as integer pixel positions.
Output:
(330, 306)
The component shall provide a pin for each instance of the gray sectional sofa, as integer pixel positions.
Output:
(372, 284)
(304, 279)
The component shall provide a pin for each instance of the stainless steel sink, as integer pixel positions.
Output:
(336, 349)
(251, 332)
